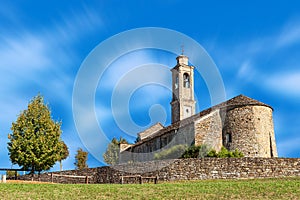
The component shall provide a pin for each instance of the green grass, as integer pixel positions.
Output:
(288, 188)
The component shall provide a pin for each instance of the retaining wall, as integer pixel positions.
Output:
(183, 169)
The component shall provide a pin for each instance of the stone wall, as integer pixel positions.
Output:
(251, 131)
(185, 169)
(208, 130)
(263, 119)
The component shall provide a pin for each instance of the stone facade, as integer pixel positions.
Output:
(253, 134)
(240, 123)
(184, 169)
(208, 130)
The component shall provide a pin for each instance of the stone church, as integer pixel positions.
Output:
(240, 123)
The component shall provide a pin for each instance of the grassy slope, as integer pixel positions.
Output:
(288, 188)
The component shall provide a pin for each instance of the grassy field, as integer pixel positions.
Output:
(288, 188)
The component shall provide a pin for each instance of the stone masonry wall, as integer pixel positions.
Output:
(208, 130)
(251, 130)
(186, 169)
(264, 125)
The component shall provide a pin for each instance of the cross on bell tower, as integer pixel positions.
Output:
(182, 49)
(183, 103)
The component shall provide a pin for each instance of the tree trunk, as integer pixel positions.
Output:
(60, 165)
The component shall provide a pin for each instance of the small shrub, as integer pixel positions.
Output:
(237, 154)
(212, 153)
(202, 151)
(224, 153)
(11, 174)
(193, 151)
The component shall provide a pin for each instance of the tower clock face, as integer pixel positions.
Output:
(187, 111)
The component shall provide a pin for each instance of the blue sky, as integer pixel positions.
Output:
(254, 44)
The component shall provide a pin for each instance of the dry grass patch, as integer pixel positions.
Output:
(26, 182)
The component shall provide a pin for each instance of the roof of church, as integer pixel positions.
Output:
(150, 131)
(242, 100)
(238, 101)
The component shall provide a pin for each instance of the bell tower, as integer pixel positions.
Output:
(183, 103)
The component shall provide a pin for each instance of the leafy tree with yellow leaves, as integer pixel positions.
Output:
(35, 142)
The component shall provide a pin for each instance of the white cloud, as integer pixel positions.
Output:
(287, 83)
(45, 56)
(23, 54)
(254, 50)
(289, 35)
(247, 71)
(122, 66)
(256, 60)
(71, 26)
(41, 60)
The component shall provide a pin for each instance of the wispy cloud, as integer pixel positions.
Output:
(46, 54)
(290, 35)
(41, 60)
(26, 53)
(76, 24)
(246, 71)
(254, 60)
(286, 82)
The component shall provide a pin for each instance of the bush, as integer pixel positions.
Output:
(202, 151)
(224, 153)
(193, 151)
(170, 153)
(212, 153)
(237, 154)
(11, 174)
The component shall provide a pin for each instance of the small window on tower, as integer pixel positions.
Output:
(186, 80)
(228, 138)
(176, 82)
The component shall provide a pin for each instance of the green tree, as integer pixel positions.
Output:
(64, 153)
(35, 142)
(111, 155)
(12, 174)
(80, 159)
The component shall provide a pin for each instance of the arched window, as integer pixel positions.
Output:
(186, 80)
(176, 82)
